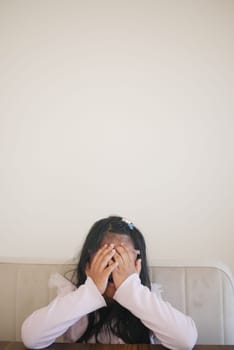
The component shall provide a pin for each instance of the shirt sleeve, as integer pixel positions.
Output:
(172, 328)
(43, 326)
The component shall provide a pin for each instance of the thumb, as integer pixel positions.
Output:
(87, 269)
(138, 266)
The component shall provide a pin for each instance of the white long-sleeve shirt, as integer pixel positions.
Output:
(67, 315)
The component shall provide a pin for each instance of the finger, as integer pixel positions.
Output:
(103, 252)
(87, 270)
(118, 258)
(111, 267)
(138, 266)
(130, 250)
(106, 258)
(99, 252)
(127, 253)
(123, 252)
(110, 262)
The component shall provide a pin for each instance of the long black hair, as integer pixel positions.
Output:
(114, 318)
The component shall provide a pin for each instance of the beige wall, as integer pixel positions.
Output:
(122, 107)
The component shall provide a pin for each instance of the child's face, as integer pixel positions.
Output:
(117, 240)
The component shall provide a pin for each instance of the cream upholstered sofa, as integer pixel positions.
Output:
(204, 292)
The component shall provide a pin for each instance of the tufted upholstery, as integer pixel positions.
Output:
(204, 292)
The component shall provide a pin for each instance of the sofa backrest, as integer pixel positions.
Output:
(206, 293)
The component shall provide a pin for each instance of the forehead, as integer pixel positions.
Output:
(117, 239)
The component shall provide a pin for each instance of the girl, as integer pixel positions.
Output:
(112, 301)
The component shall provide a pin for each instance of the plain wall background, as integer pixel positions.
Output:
(117, 107)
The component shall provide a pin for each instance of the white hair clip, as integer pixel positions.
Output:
(130, 224)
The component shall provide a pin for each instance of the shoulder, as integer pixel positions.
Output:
(157, 289)
(62, 284)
